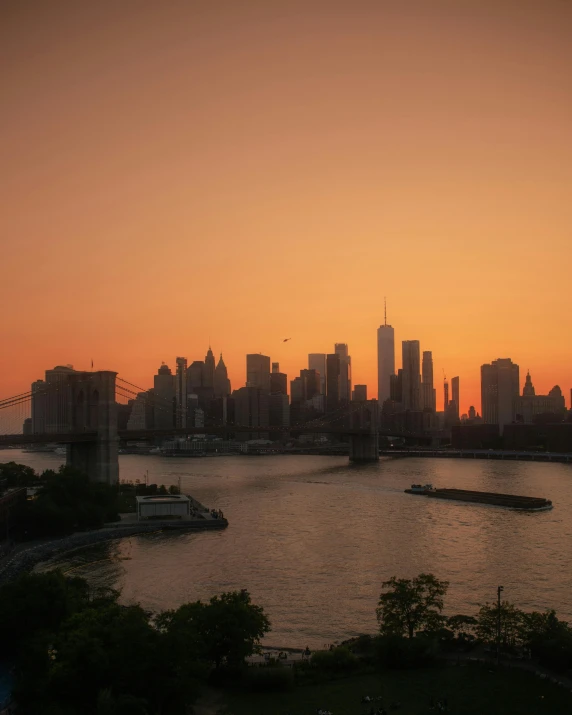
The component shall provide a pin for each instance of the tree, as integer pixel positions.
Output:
(511, 619)
(411, 605)
(227, 629)
(462, 626)
(36, 603)
(17, 475)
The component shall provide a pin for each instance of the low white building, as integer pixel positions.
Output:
(163, 506)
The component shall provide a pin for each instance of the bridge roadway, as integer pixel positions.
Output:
(78, 437)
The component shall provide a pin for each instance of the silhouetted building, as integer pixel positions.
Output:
(123, 414)
(530, 406)
(341, 349)
(251, 410)
(195, 376)
(221, 381)
(429, 401)
(164, 398)
(332, 382)
(310, 384)
(27, 426)
(475, 437)
(411, 376)
(360, 393)
(455, 394)
(258, 371)
(142, 412)
(385, 359)
(317, 362)
(396, 387)
(278, 381)
(181, 392)
(56, 402)
(445, 395)
(209, 369)
(296, 390)
(279, 410)
(499, 388)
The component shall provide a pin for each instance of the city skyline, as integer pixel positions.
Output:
(164, 180)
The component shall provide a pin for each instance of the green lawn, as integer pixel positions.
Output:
(470, 690)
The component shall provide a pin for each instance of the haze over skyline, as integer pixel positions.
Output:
(178, 173)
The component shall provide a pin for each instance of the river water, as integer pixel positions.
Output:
(313, 538)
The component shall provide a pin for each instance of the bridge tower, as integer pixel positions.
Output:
(364, 447)
(91, 398)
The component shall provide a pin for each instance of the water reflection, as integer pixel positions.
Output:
(313, 538)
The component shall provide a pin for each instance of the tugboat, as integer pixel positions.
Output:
(420, 489)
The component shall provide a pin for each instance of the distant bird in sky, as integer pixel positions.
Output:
(286, 340)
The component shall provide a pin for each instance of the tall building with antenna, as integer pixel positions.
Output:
(385, 357)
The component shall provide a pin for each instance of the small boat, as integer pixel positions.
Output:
(420, 489)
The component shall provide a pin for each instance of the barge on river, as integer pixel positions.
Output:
(511, 501)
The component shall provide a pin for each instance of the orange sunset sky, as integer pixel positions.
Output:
(243, 171)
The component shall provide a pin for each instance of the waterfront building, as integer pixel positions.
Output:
(221, 381)
(317, 362)
(428, 393)
(411, 375)
(278, 381)
(359, 393)
(455, 394)
(342, 350)
(258, 371)
(333, 379)
(164, 398)
(296, 390)
(385, 360)
(181, 392)
(499, 388)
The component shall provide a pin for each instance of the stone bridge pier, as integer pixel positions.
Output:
(92, 408)
(364, 447)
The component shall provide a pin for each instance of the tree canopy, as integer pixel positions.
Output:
(79, 650)
(411, 605)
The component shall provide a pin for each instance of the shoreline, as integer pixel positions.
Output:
(28, 558)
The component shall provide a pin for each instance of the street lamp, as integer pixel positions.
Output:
(500, 589)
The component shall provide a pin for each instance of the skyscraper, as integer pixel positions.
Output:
(251, 410)
(385, 359)
(332, 382)
(499, 388)
(455, 395)
(209, 369)
(427, 390)
(341, 349)
(258, 371)
(359, 393)
(195, 376)
(317, 361)
(411, 377)
(181, 392)
(221, 381)
(278, 381)
(164, 398)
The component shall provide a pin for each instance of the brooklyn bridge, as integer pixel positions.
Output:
(80, 410)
